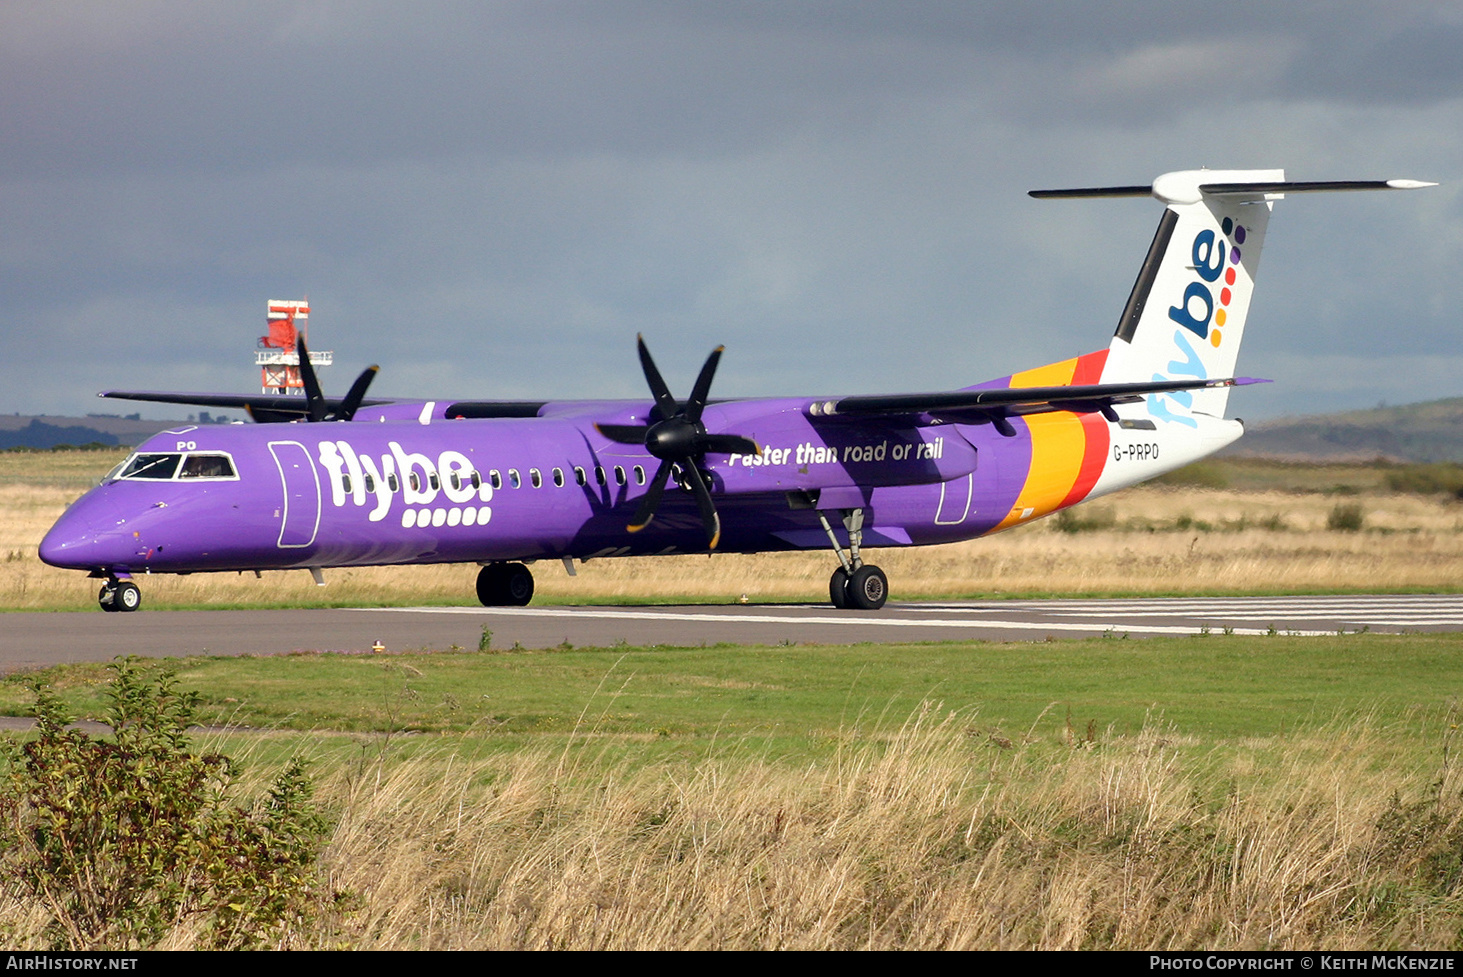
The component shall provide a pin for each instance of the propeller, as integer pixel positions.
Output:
(677, 437)
(318, 409)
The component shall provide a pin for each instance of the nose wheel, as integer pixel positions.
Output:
(119, 596)
(855, 585)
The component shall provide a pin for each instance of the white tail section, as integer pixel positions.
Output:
(1186, 315)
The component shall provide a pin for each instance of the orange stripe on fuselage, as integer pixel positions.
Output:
(1089, 370)
(1067, 450)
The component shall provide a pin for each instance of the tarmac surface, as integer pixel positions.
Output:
(38, 640)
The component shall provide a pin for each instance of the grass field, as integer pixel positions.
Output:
(1206, 792)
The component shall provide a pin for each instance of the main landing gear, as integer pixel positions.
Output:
(119, 595)
(505, 585)
(855, 584)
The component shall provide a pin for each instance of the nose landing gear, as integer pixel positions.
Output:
(855, 584)
(119, 595)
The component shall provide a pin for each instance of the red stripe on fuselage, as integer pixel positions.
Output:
(1094, 430)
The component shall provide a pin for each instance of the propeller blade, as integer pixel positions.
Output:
(314, 399)
(623, 433)
(697, 403)
(709, 518)
(665, 401)
(651, 501)
(728, 444)
(352, 402)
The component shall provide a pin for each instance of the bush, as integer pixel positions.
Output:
(1068, 521)
(1201, 474)
(1427, 479)
(121, 841)
(1346, 518)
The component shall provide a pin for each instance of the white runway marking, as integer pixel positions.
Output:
(1317, 615)
(853, 619)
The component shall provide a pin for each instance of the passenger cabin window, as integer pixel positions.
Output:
(495, 480)
(599, 474)
(619, 475)
(639, 475)
(558, 478)
(513, 478)
(579, 476)
(535, 477)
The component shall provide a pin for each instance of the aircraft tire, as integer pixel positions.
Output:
(517, 585)
(868, 588)
(838, 589)
(127, 597)
(490, 585)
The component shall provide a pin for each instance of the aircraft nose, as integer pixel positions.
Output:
(85, 538)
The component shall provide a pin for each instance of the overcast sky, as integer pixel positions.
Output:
(491, 199)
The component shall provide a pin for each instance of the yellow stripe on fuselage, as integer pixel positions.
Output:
(1057, 446)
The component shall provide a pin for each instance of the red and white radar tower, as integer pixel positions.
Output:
(277, 357)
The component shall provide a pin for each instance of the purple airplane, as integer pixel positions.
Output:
(503, 483)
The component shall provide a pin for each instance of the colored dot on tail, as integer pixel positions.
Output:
(1220, 317)
(1234, 256)
(1228, 225)
(1224, 296)
(1239, 235)
(1229, 275)
(1214, 337)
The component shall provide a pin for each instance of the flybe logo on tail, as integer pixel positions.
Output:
(1201, 314)
(1213, 258)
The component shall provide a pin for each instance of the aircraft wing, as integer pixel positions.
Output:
(264, 408)
(994, 405)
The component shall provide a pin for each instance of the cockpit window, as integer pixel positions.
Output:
(170, 465)
(207, 466)
(152, 466)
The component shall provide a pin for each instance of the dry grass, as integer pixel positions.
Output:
(929, 836)
(1155, 539)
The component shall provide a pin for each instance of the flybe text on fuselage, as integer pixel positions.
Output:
(358, 477)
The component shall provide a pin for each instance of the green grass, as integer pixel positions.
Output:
(1214, 686)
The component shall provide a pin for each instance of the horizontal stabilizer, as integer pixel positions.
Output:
(1190, 186)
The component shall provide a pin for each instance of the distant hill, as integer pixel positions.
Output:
(26, 431)
(1426, 432)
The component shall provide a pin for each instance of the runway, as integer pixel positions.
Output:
(33, 640)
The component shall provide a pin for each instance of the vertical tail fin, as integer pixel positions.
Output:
(1186, 315)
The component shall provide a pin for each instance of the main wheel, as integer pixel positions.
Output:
(838, 588)
(128, 597)
(505, 584)
(107, 598)
(517, 585)
(490, 585)
(868, 588)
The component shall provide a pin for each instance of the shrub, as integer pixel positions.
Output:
(1346, 517)
(1069, 521)
(122, 840)
(1201, 474)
